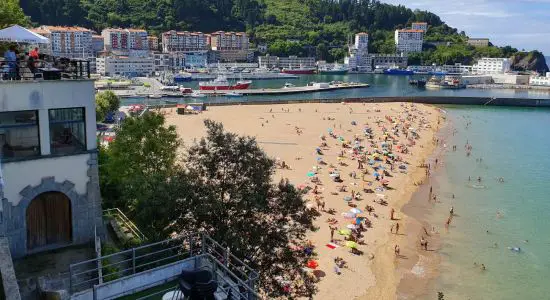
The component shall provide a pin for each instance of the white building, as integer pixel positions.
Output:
(478, 42)
(389, 61)
(488, 65)
(68, 42)
(457, 68)
(49, 187)
(477, 79)
(409, 40)
(125, 66)
(359, 58)
(540, 80)
(132, 42)
(420, 26)
(291, 62)
(516, 79)
(177, 41)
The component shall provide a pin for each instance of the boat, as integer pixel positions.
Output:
(336, 69)
(299, 71)
(418, 83)
(197, 94)
(155, 96)
(183, 77)
(395, 71)
(222, 84)
(185, 90)
(288, 85)
(233, 95)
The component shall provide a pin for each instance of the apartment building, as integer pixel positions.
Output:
(178, 41)
(478, 42)
(232, 46)
(540, 80)
(131, 42)
(358, 58)
(420, 26)
(153, 43)
(409, 40)
(98, 44)
(130, 66)
(487, 65)
(389, 60)
(68, 42)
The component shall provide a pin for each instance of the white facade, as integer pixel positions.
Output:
(409, 40)
(125, 66)
(510, 79)
(176, 41)
(68, 42)
(457, 68)
(361, 41)
(291, 62)
(48, 136)
(540, 80)
(488, 65)
(420, 26)
(477, 79)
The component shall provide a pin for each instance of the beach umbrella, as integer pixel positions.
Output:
(344, 232)
(348, 215)
(312, 264)
(310, 174)
(351, 244)
(355, 210)
(334, 175)
(375, 174)
(347, 198)
(402, 167)
(319, 158)
(351, 226)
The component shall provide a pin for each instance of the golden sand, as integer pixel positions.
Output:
(377, 273)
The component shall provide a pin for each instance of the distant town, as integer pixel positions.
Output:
(133, 52)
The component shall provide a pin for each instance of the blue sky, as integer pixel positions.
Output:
(524, 24)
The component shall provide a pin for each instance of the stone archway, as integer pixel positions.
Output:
(49, 220)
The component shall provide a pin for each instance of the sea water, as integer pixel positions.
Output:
(492, 216)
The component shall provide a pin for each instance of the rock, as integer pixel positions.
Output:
(529, 61)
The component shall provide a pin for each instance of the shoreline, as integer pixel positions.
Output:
(393, 286)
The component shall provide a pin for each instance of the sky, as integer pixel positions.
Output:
(523, 24)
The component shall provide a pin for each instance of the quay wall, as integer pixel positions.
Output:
(518, 102)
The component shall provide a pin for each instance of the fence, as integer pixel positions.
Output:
(55, 69)
(235, 276)
(120, 217)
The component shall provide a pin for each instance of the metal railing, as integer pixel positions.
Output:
(235, 277)
(119, 216)
(51, 69)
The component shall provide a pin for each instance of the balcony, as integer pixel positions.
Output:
(44, 69)
(155, 269)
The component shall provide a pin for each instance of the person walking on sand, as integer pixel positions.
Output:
(332, 229)
(452, 211)
(396, 250)
(392, 212)
(396, 228)
(424, 243)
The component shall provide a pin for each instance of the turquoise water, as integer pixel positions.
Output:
(380, 85)
(514, 143)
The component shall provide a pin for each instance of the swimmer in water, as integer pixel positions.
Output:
(479, 179)
(483, 267)
(501, 180)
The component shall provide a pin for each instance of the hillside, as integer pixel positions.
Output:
(290, 27)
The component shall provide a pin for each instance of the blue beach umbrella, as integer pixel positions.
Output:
(310, 174)
(347, 198)
(375, 174)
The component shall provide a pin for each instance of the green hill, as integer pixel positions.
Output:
(300, 27)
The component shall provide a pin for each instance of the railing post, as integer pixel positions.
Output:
(133, 260)
(191, 245)
(226, 258)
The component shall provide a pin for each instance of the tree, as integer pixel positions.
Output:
(232, 198)
(136, 171)
(12, 14)
(105, 102)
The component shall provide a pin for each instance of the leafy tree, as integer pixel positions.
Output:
(105, 102)
(232, 198)
(135, 172)
(12, 14)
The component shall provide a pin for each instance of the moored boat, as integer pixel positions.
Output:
(222, 84)
(336, 69)
(299, 71)
(395, 71)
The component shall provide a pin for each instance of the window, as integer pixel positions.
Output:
(19, 135)
(67, 130)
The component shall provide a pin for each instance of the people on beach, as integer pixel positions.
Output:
(396, 250)
(424, 243)
(452, 211)
(392, 211)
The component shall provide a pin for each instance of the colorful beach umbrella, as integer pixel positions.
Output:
(347, 198)
(344, 232)
(351, 226)
(351, 244)
(355, 210)
(312, 264)
(310, 174)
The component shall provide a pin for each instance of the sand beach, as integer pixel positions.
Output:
(315, 145)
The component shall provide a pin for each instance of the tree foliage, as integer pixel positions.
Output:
(105, 102)
(135, 172)
(12, 14)
(231, 196)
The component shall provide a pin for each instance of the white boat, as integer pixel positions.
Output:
(197, 94)
(233, 95)
(288, 85)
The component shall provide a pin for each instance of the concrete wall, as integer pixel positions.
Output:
(510, 79)
(9, 282)
(135, 283)
(477, 79)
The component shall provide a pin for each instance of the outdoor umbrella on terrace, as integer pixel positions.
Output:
(18, 34)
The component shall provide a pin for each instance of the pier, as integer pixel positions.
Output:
(293, 90)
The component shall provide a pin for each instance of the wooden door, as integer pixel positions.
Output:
(49, 220)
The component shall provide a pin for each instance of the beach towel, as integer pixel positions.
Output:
(332, 245)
